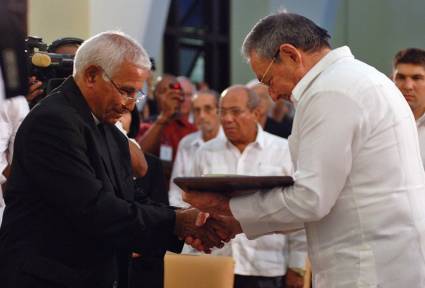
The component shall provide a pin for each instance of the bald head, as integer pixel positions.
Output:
(244, 94)
(238, 115)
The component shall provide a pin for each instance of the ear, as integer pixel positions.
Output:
(90, 74)
(256, 113)
(290, 52)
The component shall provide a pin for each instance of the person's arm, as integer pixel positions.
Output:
(138, 162)
(12, 113)
(150, 140)
(323, 166)
(139, 165)
(297, 254)
(56, 151)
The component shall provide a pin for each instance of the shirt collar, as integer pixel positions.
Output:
(319, 67)
(259, 140)
(198, 141)
(421, 120)
(96, 121)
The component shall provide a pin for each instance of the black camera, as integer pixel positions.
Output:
(49, 68)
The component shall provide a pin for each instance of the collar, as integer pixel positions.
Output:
(259, 139)
(73, 94)
(420, 121)
(198, 141)
(96, 121)
(329, 59)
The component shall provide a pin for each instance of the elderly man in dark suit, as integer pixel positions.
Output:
(72, 219)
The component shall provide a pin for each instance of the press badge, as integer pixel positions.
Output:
(166, 153)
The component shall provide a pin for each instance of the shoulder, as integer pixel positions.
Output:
(275, 140)
(187, 140)
(53, 113)
(213, 145)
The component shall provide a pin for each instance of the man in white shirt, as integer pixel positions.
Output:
(204, 107)
(359, 183)
(248, 150)
(409, 76)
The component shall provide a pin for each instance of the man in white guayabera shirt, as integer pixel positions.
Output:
(359, 182)
(204, 109)
(248, 150)
(409, 76)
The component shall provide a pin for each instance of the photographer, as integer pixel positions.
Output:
(162, 136)
(44, 72)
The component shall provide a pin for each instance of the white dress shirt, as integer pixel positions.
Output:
(12, 112)
(420, 124)
(182, 166)
(267, 155)
(359, 181)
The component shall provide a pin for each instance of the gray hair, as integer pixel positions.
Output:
(109, 50)
(277, 29)
(253, 98)
(211, 92)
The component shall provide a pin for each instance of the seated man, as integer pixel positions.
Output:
(204, 106)
(248, 150)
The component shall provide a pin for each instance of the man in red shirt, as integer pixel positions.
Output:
(162, 136)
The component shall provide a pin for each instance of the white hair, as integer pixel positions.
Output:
(109, 50)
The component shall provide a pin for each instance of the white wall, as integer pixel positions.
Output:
(52, 19)
(142, 19)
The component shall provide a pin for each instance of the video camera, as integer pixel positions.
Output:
(49, 68)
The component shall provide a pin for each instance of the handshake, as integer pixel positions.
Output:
(204, 231)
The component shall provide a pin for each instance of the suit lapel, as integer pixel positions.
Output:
(116, 168)
(106, 155)
(118, 145)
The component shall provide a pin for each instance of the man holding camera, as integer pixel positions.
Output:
(71, 218)
(170, 126)
(62, 46)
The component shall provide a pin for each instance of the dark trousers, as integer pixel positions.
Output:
(242, 281)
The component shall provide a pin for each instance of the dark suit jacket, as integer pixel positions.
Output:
(67, 223)
(148, 270)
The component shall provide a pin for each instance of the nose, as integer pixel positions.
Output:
(408, 84)
(226, 118)
(129, 105)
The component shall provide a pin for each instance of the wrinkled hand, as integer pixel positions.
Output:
(34, 88)
(202, 237)
(226, 227)
(212, 203)
(170, 106)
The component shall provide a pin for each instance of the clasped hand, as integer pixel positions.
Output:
(203, 231)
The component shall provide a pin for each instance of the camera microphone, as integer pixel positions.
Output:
(41, 60)
(44, 60)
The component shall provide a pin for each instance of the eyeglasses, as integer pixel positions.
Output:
(130, 94)
(234, 112)
(268, 68)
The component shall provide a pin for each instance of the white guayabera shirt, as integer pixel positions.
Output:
(359, 181)
(269, 255)
(420, 123)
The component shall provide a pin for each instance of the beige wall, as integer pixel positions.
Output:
(52, 19)
(244, 14)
